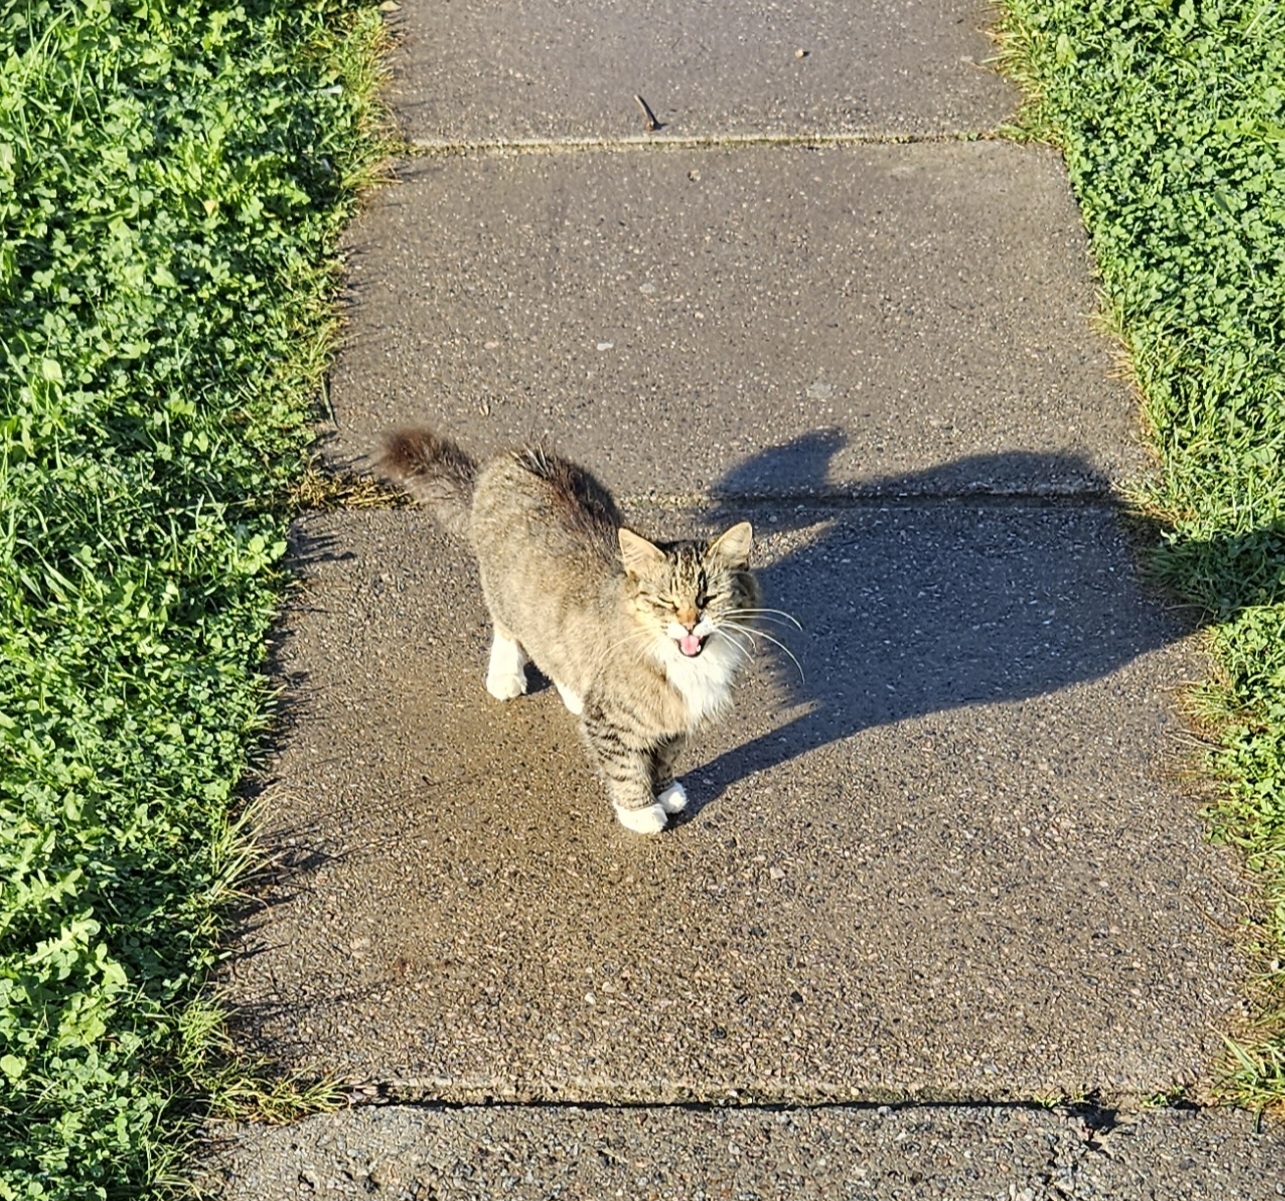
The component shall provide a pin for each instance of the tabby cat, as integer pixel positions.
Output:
(641, 639)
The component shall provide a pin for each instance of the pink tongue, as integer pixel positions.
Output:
(689, 644)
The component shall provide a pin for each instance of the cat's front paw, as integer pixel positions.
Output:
(650, 820)
(505, 685)
(673, 799)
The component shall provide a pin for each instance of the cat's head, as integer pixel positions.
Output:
(688, 593)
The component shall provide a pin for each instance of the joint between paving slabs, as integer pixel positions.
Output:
(325, 490)
(1095, 1119)
(1081, 499)
(1097, 1110)
(445, 147)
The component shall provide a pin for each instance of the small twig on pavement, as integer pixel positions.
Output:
(648, 115)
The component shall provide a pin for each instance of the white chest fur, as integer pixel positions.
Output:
(705, 682)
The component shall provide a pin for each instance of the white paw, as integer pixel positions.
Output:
(573, 702)
(673, 799)
(642, 821)
(504, 686)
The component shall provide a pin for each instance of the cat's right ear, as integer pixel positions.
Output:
(637, 554)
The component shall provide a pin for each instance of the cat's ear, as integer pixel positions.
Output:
(637, 553)
(733, 546)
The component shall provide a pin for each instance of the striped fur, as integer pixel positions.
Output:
(643, 639)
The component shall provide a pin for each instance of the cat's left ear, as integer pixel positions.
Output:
(733, 546)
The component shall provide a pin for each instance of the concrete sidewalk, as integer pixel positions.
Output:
(944, 865)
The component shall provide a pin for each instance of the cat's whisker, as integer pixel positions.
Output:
(756, 617)
(738, 637)
(636, 636)
(778, 613)
(774, 641)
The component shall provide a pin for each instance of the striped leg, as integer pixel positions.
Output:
(670, 794)
(626, 769)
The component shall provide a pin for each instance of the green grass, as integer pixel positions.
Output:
(1172, 120)
(173, 178)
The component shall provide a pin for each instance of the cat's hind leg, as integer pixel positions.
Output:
(573, 702)
(506, 673)
(670, 794)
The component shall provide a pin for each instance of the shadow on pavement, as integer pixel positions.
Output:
(912, 602)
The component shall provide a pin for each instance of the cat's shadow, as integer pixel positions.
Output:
(917, 597)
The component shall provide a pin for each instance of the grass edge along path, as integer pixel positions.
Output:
(1171, 119)
(173, 180)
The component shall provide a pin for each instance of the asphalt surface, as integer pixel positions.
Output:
(682, 320)
(985, 1153)
(937, 858)
(540, 70)
(942, 876)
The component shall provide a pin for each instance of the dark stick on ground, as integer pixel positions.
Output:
(648, 116)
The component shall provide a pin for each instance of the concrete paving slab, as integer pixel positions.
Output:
(950, 863)
(476, 70)
(857, 1154)
(920, 312)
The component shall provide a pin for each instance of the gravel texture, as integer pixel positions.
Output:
(965, 1153)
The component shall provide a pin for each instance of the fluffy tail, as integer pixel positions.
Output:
(434, 470)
